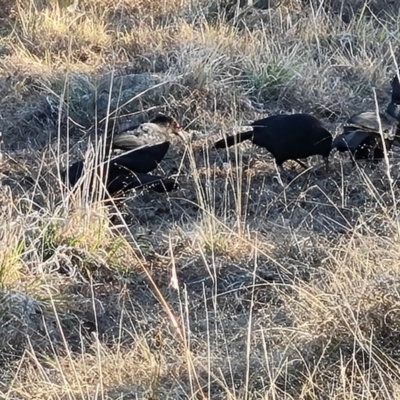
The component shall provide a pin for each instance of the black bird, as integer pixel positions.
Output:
(286, 137)
(362, 138)
(393, 108)
(119, 180)
(162, 128)
(128, 171)
(142, 159)
(145, 145)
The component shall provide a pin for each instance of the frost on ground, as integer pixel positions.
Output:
(232, 287)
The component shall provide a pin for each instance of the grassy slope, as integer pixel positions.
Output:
(230, 288)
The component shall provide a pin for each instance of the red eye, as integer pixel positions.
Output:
(177, 126)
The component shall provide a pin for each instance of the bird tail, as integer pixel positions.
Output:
(233, 139)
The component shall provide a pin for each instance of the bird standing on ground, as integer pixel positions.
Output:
(362, 138)
(286, 137)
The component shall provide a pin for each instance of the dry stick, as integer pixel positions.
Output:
(61, 98)
(249, 330)
(104, 173)
(174, 321)
(394, 61)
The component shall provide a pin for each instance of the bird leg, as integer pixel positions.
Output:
(281, 172)
(251, 158)
(326, 160)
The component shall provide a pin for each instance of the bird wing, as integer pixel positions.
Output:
(151, 149)
(145, 134)
(131, 141)
(129, 128)
(141, 160)
(350, 141)
(368, 120)
(136, 130)
(125, 141)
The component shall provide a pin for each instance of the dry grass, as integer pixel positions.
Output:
(231, 287)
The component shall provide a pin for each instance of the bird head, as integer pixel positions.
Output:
(169, 124)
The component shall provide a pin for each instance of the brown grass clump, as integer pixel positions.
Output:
(231, 287)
